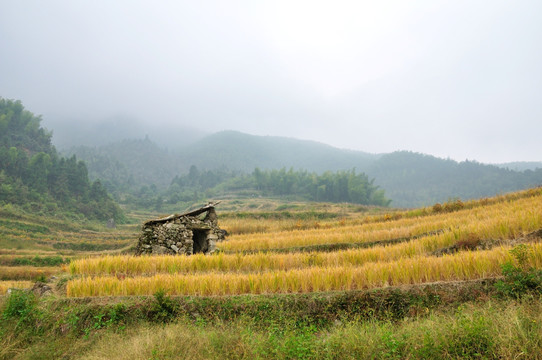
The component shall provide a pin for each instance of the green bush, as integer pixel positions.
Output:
(164, 308)
(519, 279)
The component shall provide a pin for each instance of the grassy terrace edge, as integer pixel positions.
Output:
(272, 326)
(319, 308)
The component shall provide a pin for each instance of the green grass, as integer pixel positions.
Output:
(153, 328)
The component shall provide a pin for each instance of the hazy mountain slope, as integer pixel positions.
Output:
(70, 133)
(130, 163)
(412, 179)
(239, 151)
(521, 165)
(409, 179)
(133, 163)
(34, 176)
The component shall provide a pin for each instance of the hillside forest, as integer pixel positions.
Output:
(230, 164)
(36, 178)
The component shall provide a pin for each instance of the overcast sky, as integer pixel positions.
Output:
(458, 79)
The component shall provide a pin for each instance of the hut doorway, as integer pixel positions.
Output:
(200, 241)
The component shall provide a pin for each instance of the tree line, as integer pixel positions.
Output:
(340, 186)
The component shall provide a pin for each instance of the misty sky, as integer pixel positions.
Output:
(458, 79)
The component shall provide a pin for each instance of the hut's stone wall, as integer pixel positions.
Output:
(181, 234)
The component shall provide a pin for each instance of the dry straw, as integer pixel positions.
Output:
(384, 230)
(504, 222)
(403, 263)
(461, 266)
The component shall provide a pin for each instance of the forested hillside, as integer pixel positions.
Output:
(144, 170)
(34, 177)
(412, 179)
(130, 164)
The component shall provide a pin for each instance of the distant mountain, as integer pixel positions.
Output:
(412, 179)
(130, 164)
(238, 151)
(409, 179)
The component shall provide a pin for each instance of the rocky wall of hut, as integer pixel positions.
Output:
(179, 235)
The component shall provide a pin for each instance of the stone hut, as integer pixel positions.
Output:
(188, 233)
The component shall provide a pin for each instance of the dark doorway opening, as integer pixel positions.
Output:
(200, 241)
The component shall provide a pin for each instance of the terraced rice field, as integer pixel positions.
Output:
(34, 247)
(397, 248)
